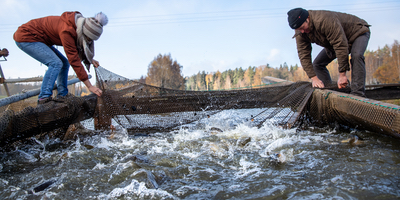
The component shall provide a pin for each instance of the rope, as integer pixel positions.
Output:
(376, 104)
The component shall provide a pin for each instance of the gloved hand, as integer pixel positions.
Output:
(4, 52)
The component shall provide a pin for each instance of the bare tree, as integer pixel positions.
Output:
(166, 73)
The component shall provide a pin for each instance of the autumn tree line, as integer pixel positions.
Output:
(382, 67)
(165, 72)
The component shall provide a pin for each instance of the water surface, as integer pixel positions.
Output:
(221, 157)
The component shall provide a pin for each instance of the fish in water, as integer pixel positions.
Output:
(112, 135)
(152, 179)
(135, 159)
(216, 129)
(276, 158)
(75, 129)
(354, 140)
(42, 186)
(243, 142)
(88, 146)
(65, 155)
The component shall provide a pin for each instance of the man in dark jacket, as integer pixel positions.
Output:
(340, 34)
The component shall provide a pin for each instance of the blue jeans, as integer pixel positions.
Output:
(57, 64)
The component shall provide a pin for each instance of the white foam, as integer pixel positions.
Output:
(99, 166)
(139, 190)
(105, 144)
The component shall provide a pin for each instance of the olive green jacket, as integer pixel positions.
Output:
(333, 30)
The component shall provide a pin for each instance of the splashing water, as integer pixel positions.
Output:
(221, 157)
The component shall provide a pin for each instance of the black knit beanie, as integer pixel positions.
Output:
(297, 17)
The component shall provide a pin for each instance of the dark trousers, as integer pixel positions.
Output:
(357, 62)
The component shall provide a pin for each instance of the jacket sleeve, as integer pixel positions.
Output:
(337, 38)
(70, 48)
(304, 51)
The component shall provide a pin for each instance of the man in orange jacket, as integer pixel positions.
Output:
(70, 30)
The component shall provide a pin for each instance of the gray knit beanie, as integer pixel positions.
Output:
(93, 26)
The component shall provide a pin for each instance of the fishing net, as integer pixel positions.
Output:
(341, 110)
(142, 108)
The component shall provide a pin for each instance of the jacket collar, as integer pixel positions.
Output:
(296, 33)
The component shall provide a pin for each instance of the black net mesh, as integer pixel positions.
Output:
(17, 123)
(143, 108)
(331, 107)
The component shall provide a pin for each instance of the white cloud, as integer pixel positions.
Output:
(273, 55)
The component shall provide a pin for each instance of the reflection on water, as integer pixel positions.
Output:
(221, 157)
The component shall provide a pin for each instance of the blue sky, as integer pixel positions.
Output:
(207, 35)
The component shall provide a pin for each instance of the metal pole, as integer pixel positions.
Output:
(30, 93)
(2, 80)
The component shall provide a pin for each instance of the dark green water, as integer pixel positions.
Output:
(219, 158)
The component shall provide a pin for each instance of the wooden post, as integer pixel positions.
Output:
(102, 121)
(72, 90)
